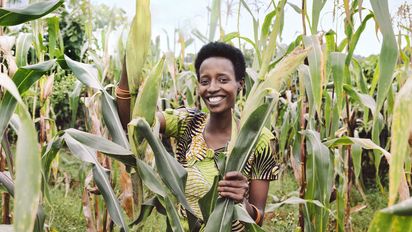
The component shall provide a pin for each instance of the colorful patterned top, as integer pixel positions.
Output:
(186, 127)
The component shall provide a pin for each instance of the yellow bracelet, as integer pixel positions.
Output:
(258, 214)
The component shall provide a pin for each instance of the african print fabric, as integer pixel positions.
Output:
(186, 127)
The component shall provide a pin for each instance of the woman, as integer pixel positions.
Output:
(220, 69)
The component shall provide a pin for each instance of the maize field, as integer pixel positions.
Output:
(342, 122)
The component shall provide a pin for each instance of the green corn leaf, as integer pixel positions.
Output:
(319, 178)
(316, 9)
(274, 80)
(88, 155)
(401, 127)
(248, 136)
(355, 38)
(337, 61)
(403, 208)
(269, 49)
(316, 64)
(28, 173)
(304, 76)
(364, 143)
(172, 172)
(9, 85)
(7, 182)
(395, 218)
(208, 202)
(147, 208)
(357, 160)
(389, 51)
(74, 98)
(101, 144)
(23, 43)
(172, 215)
(88, 75)
(149, 178)
(24, 78)
(214, 18)
(364, 99)
(138, 45)
(146, 102)
(15, 16)
(221, 218)
(53, 36)
(49, 154)
(222, 215)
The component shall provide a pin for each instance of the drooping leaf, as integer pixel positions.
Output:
(147, 208)
(149, 178)
(103, 145)
(88, 155)
(170, 170)
(15, 16)
(24, 78)
(88, 75)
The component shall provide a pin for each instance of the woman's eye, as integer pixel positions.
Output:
(223, 80)
(204, 82)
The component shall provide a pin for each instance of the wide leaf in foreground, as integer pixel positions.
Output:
(222, 215)
(15, 16)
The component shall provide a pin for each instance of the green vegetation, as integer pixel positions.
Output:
(342, 122)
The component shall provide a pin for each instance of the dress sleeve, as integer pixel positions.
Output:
(174, 119)
(263, 162)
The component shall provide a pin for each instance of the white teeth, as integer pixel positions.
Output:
(215, 99)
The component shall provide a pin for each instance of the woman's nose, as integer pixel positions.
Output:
(214, 86)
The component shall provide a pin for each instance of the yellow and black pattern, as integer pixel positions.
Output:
(186, 126)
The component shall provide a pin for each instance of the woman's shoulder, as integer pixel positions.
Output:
(184, 113)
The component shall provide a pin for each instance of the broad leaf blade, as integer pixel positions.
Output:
(28, 174)
(401, 127)
(15, 16)
(24, 78)
(170, 170)
(103, 145)
(87, 154)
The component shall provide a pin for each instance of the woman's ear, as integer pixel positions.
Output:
(241, 84)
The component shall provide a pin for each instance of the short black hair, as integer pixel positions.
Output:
(220, 49)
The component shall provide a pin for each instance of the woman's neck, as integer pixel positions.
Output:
(220, 123)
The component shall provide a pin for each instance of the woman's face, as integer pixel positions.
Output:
(217, 84)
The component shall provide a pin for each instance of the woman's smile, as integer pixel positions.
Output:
(217, 84)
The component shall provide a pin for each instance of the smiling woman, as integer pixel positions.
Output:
(202, 138)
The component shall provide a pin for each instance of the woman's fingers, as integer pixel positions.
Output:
(234, 186)
(234, 176)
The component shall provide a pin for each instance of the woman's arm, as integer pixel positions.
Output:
(235, 186)
(123, 105)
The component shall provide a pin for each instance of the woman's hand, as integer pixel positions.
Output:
(234, 186)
